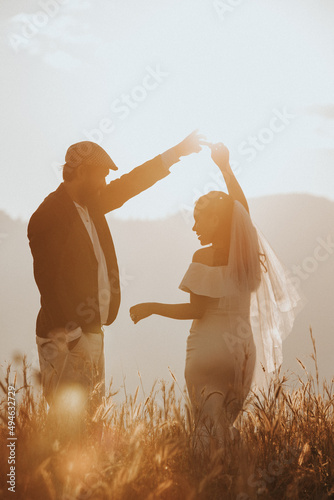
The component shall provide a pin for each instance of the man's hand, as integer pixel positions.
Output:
(191, 144)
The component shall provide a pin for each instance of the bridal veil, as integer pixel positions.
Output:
(254, 268)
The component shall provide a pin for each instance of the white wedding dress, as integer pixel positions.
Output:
(221, 351)
(238, 342)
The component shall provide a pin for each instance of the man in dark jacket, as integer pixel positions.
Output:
(75, 265)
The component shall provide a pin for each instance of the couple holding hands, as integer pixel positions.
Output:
(239, 298)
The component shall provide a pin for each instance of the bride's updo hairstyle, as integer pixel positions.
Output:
(220, 204)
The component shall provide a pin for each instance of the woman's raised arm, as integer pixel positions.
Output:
(221, 156)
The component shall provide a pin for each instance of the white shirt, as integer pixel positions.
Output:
(103, 278)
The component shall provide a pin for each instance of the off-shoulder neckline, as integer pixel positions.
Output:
(211, 267)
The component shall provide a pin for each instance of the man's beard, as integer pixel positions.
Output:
(90, 197)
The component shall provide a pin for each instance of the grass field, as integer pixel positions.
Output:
(149, 451)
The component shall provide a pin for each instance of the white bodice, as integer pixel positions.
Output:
(214, 282)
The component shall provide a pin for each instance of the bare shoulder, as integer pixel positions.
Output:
(203, 256)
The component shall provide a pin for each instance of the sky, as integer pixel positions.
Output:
(137, 76)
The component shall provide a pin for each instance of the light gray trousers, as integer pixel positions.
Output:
(70, 377)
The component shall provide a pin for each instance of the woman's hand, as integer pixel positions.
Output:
(221, 156)
(141, 311)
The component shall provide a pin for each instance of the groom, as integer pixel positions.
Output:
(76, 271)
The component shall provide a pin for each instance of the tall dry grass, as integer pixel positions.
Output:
(149, 448)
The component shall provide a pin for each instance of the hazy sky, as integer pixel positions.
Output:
(139, 75)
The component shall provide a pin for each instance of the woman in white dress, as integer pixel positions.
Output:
(241, 305)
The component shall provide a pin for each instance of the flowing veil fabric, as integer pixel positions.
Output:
(274, 302)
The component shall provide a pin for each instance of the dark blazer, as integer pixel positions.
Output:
(65, 266)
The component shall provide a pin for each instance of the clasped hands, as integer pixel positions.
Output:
(193, 144)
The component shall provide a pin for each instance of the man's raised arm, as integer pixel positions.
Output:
(119, 191)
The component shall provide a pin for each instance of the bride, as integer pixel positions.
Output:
(241, 303)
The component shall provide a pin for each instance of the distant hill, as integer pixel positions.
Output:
(153, 257)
